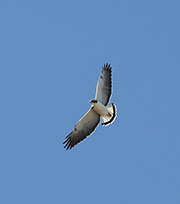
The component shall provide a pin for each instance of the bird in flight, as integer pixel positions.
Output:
(99, 111)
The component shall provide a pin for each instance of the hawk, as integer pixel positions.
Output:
(100, 110)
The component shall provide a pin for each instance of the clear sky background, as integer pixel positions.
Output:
(51, 54)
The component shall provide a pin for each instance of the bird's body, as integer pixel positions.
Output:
(107, 113)
(100, 110)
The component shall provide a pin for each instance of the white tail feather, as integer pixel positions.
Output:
(108, 119)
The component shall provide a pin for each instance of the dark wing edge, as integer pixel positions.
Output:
(104, 86)
(84, 128)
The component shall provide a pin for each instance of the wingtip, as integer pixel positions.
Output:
(67, 142)
(107, 66)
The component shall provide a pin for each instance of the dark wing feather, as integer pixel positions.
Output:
(84, 127)
(104, 85)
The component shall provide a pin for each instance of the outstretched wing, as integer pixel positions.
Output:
(104, 85)
(84, 127)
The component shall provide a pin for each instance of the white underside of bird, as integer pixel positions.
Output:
(107, 113)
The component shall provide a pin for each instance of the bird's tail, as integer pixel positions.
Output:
(110, 117)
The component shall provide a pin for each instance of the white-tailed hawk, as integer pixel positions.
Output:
(100, 110)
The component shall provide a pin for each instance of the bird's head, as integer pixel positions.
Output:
(92, 102)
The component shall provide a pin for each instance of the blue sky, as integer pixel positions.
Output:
(51, 57)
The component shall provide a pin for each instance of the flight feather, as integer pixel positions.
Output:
(104, 85)
(84, 127)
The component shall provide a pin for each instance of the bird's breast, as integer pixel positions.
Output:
(100, 109)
